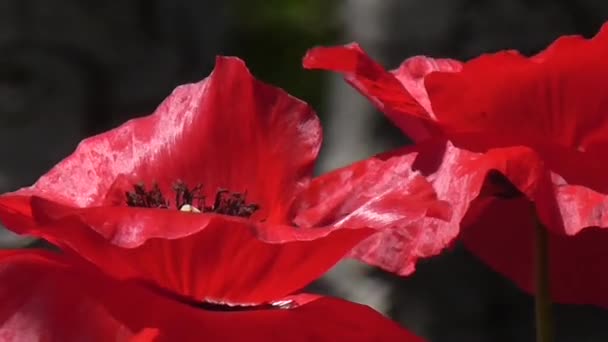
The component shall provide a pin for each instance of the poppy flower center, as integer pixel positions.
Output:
(191, 200)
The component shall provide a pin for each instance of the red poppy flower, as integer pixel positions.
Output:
(207, 204)
(540, 122)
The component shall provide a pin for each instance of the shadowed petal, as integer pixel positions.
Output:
(503, 237)
(40, 304)
(312, 319)
(46, 298)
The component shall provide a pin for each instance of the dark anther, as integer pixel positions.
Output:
(140, 197)
(233, 204)
(225, 202)
(184, 195)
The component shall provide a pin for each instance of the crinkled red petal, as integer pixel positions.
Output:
(459, 177)
(386, 195)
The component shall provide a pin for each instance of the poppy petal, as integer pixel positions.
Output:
(313, 319)
(501, 233)
(382, 194)
(228, 131)
(427, 235)
(381, 87)
(40, 304)
(324, 319)
(459, 177)
(45, 297)
(412, 72)
(565, 209)
(554, 98)
(208, 257)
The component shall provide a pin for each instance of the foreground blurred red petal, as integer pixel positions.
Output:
(39, 304)
(319, 319)
(47, 297)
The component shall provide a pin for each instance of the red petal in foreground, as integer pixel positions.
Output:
(76, 306)
(322, 319)
(39, 304)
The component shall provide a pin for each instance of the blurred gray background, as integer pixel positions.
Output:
(72, 68)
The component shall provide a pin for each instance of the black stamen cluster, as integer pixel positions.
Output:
(140, 197)
(232, 203)
(225, 202)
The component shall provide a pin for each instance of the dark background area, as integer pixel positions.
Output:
(72, 68)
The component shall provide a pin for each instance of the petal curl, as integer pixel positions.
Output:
(381, 87)
(413, 71)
